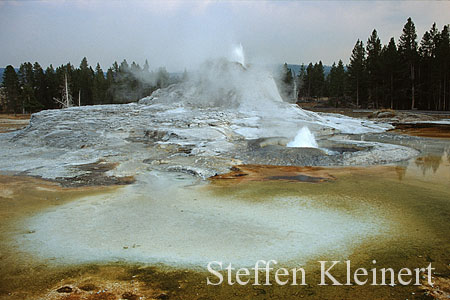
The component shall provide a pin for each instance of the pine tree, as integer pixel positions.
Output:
(146, 67)
(26, 83)
(286, 75)
(162, 78)
(116, 69)
(426, 46)
(318, 79)
(390, 66)
(314, 80)
(332, 82)
(427, 54)
(407, 49)
(12, 90)
(341, 79)
(39, 87)
(25, 74)
(122, 82)
(147, 80)
(356, 72)
(85, 83)
(110, 84)
(443, 60)
(51, 87)
(308, 80)
(336, 82)
(373, 67)
(286, 82)
(99, 86)
(435, 73)
(124, 67)
(66, 70)
(301, 82)
(135, 76)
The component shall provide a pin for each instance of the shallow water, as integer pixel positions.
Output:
(397, 215)
(163, 219)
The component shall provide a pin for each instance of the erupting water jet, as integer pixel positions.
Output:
(303, 139)
(238, 54)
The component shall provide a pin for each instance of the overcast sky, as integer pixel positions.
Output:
(179, 34)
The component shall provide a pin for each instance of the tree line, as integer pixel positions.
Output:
(403, 75)
(31, 89)
(406, 75)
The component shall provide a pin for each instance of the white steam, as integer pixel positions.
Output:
(250, 91)
(225, 84)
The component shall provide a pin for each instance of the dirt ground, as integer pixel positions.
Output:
(424, 130)
(11, 122)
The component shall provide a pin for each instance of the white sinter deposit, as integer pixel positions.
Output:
(198, 126)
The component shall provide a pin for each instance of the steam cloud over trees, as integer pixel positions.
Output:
(402, 75)
(30, 88)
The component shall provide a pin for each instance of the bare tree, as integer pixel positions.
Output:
(66, 97)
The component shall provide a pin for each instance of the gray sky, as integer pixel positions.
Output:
(179, 34)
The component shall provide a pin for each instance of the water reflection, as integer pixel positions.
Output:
(427, 163)
(401, 172)
(429, 167)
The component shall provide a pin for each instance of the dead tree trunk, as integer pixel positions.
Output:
(66, 97)
(392, 91)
